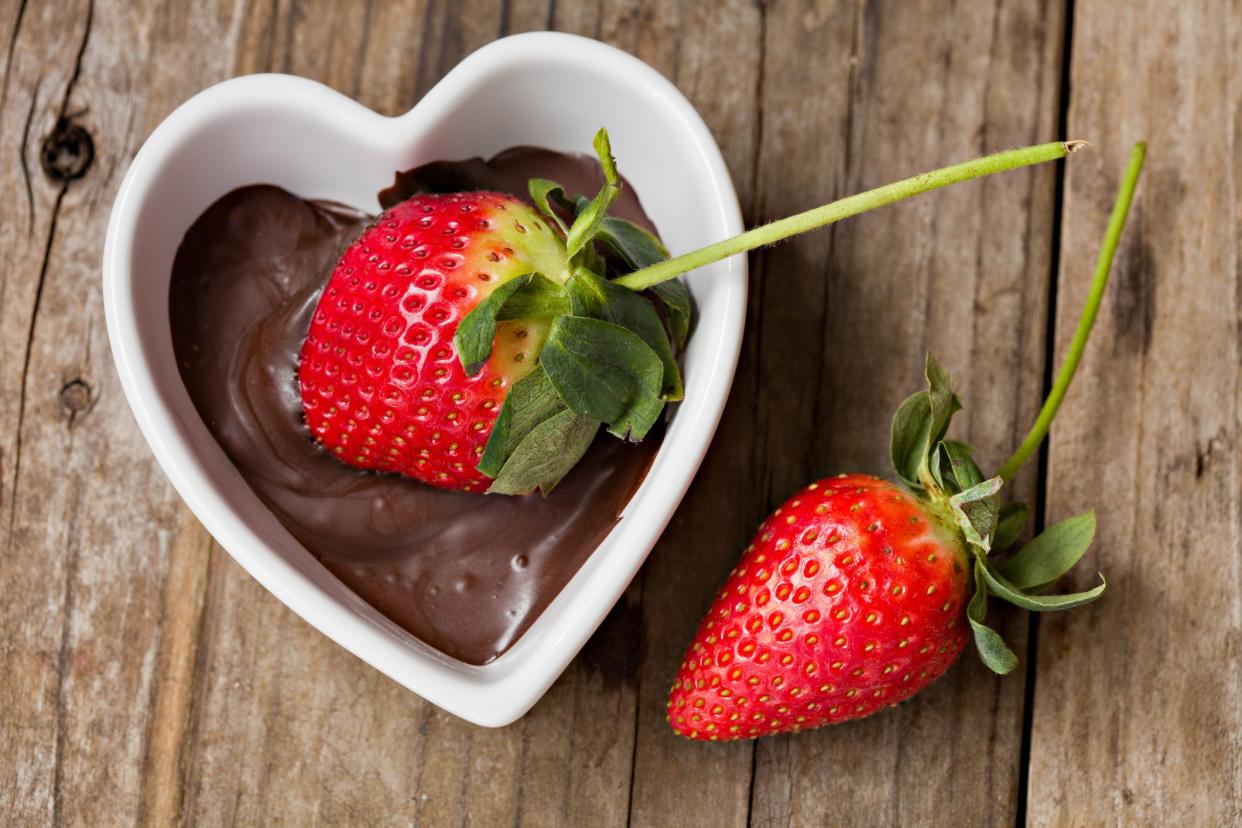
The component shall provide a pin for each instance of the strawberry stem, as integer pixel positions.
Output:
(1099, 281)
(846, 207)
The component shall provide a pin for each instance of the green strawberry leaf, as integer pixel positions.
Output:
(638, 247)
(539, 298)
(976, 511)
(477, 330)
(546, 454)
(1009, 526)
(604, 371)
(1050, 554)
(1006, 591)
(908, 447)
(941, 472)
(590, 295)
(944, 403)
(674, 297)
(592, 215)
(920, 424)
(530, 401)
(543, 192)
(962, 467)
(993, 650)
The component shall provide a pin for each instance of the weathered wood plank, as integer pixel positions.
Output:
(712, 51)
(91, 528)
(1136, 715)
(856, 95)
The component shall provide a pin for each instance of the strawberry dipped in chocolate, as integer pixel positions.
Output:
(477, 341)
(858, 592)
(473, 342)
(381, 382)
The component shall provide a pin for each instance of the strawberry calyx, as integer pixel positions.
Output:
(943, 473)
(609, 357)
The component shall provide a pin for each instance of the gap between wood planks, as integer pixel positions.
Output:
(759, 257)
(1040, 514)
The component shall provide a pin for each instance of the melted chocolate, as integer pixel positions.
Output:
(465, 573)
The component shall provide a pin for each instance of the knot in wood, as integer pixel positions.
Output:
(67, 152)
(75, 396)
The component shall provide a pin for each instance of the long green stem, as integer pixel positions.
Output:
(1091, 309)
(846, 207)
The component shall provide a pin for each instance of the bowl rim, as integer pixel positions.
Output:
(501, 691)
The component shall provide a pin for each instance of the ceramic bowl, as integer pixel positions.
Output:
(550, 90)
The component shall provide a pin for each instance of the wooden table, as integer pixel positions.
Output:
(146, 678)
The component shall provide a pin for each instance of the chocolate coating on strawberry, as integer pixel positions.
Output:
(381, 384)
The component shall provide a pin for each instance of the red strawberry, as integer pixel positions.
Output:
(857, 593)
(472, 343)
(850, 598)
(381, 383)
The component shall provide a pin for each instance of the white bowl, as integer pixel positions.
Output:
(550, 90)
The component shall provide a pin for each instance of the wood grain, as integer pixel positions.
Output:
(713, 52)
(88, 522)
(962, 273)
(147, 679)
(1137, 719)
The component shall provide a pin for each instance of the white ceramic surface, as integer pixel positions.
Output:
(551, 90)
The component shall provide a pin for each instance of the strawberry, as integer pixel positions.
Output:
(478, 343)
(472, 341)
(858, 592)
(850, 598)
(381, 383)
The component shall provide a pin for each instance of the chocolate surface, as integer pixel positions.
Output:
(465, 573)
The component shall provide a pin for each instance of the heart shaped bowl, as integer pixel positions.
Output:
(544, 89)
